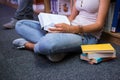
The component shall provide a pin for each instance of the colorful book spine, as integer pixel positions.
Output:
(115, 16)
(54, 6)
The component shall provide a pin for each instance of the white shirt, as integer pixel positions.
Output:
(88, 11)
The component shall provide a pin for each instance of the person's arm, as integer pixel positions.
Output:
(98, 25)
(103, 10)
(74, 12)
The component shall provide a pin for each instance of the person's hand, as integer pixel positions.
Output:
(62, 27)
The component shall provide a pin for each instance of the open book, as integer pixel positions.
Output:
(48, 20)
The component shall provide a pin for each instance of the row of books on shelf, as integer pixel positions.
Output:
(113, 18)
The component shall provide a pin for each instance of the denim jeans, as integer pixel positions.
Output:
(24, 10)
(51, 43)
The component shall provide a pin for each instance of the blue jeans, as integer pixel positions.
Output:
(24, 10)
(51, 43)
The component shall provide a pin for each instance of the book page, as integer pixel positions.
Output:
(49, 20)
(101, 55)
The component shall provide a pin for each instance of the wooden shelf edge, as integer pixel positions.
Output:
(113, 34)
(111, 37)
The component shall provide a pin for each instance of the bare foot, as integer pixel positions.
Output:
(29, 46)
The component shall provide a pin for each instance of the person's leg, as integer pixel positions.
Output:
(51, 43)
(32, 33)
(24, 11)
(55, 43)
(30, 30)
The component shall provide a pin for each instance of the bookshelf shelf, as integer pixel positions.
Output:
(111, 37)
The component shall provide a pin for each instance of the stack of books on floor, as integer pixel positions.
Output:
(96, 53)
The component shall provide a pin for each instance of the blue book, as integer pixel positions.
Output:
(118, 26)
(115, 16)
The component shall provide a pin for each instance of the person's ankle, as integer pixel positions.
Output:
(29, 46)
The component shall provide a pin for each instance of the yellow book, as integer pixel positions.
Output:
(106, 47)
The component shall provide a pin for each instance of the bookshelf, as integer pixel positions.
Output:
(109, 35)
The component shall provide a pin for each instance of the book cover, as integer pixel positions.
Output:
(115, 16)
(48, 20)
(64, 7)
(106, 47)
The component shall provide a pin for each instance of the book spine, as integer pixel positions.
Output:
(118, 26)
(115, 16)
(47, 6)
(53, 4)
(108, 23)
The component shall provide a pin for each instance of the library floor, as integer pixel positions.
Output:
(25, 65)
